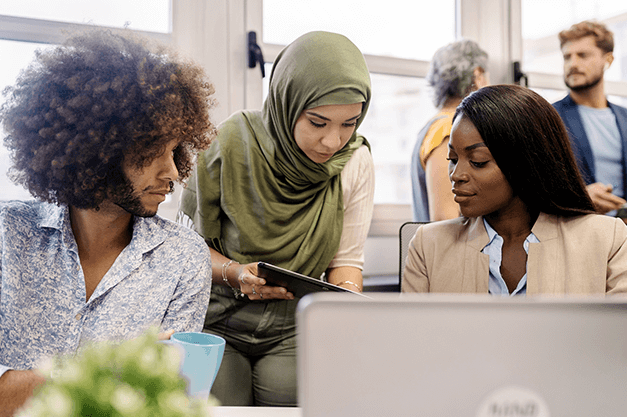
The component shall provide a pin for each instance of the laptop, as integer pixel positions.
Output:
(461, 355)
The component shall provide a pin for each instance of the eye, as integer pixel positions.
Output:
(317, 124)
(478, 164)
(353, 124)
(452, 160)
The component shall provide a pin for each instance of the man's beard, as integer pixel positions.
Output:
(584, 87)
(128, 199)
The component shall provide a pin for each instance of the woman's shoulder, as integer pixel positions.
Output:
(358, 172)
(448, 230)
(592, 223)
(360, 162)
(586, 219)
(241, 120)
(362, 156)
(593, 229)
(236, 133)
(439, 130)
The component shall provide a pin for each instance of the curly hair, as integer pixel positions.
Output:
(452, 67)
(603, 37)
(82, 108)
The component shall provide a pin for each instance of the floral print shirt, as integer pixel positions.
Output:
(162, 278)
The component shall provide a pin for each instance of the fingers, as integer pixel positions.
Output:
(603, 199)
(255, 288)
(165, 335)
(600, 187)
(605, 203)
(266, 292)
(248, 279)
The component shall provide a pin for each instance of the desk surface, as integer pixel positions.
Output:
(256, 412)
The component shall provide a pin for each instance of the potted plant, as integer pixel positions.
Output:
(137, 378)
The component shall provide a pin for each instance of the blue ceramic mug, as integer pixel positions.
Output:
(201, 358)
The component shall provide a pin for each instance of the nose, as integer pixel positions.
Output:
(457, 174)
(572, 62)
(168, 169)
(332, 140)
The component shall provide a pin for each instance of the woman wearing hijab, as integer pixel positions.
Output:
(528, 224)
(291, 185)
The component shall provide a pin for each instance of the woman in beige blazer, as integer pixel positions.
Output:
(528, 225)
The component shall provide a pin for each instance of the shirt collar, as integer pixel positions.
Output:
(148, 232)
(492, 235)
(52, 216)
(491, 232)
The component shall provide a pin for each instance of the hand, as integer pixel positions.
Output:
(16, 387)
(255, 288)
(603, 199)
(165, 335)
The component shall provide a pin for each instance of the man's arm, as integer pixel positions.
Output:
(189, 303)
(15, 388)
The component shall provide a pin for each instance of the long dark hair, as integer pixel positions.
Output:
(529, 143)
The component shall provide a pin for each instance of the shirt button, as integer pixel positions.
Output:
(79, 316)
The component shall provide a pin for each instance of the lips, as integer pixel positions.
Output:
(324, 156)
(462, 195)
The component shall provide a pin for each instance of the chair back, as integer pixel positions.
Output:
(406, 233)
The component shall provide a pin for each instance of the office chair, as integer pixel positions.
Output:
(406, 233)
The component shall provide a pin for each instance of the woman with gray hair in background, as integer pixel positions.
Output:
(456, 70)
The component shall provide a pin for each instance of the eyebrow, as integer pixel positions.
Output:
(328, 120)
(476, 145)
(473, 146)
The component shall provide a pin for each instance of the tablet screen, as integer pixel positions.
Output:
(297, 284)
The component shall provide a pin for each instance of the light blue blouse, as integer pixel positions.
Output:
(494, 249)
(162, 278)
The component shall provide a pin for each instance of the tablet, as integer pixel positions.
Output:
(297, 284)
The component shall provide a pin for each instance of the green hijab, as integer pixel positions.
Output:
(254, 195)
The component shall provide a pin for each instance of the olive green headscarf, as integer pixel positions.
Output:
(255, 196)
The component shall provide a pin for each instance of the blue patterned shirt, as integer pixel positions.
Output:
(162, 278)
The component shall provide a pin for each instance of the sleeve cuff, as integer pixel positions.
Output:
(3, 369)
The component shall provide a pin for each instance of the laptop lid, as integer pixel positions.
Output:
(440, 355)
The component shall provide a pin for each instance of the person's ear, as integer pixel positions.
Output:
(479, 78)
(609, 58)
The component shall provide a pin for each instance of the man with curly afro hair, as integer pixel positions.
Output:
(99, 129)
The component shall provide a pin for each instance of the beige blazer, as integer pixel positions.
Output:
(580, 255)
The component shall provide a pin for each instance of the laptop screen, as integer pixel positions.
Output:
(440, 355)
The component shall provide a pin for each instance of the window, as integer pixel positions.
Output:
(542, 20)
(414, 33)
(21, 54)
(147, 15)
(402, 107)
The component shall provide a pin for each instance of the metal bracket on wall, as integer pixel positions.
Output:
(519, 75)
(254, 53)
